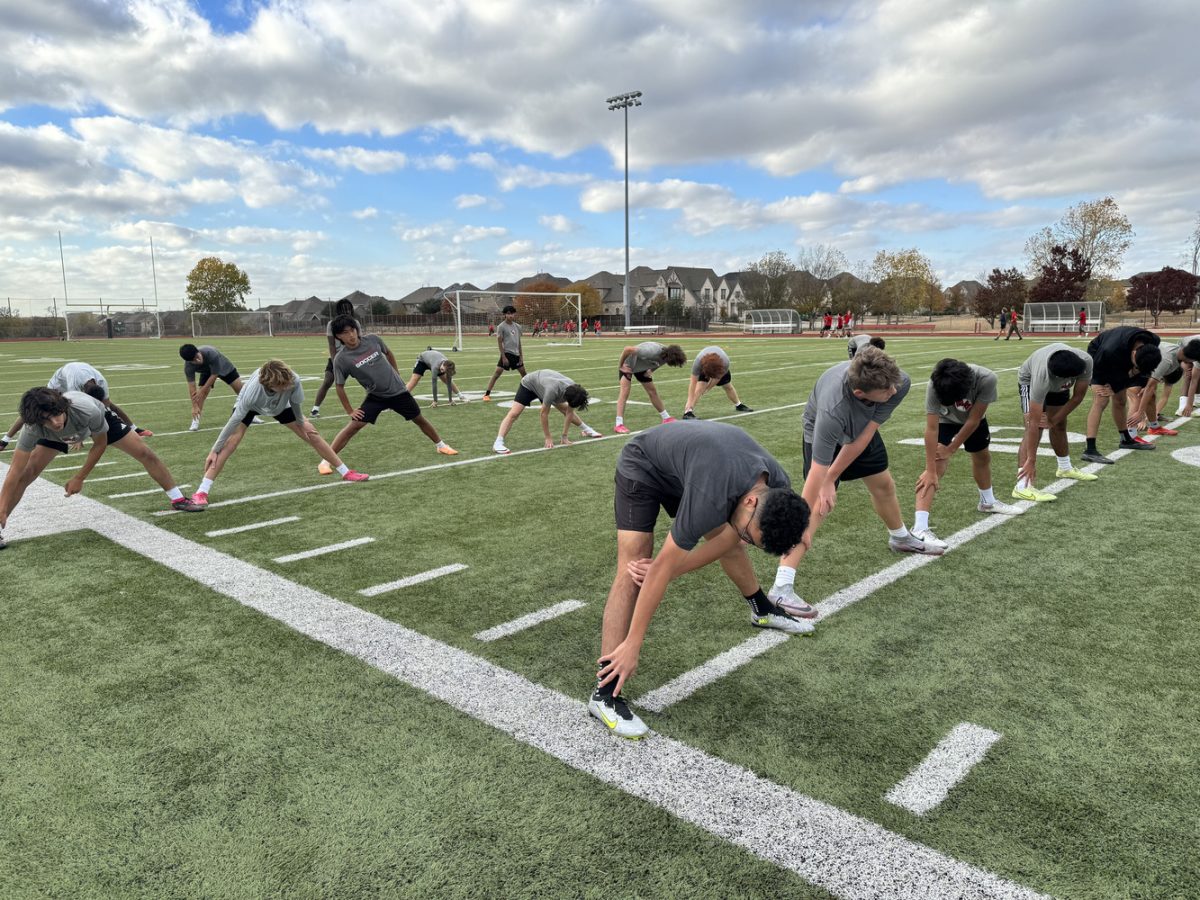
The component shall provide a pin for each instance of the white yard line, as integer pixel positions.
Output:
(843, 853)
(146, 493)
(419, 578)
(270, 523)
(321, 551)
(142, 474)
(947, 764)
(715, 669)
(103, 462)
(529, 620)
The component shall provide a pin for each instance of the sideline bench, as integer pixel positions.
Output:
(645, 329)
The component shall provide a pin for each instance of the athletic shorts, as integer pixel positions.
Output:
(871, 461)
(508, 362)
(404, 404)
(205, 374)
(636, 505)
(421, 367)
(524, 396)
(116, 431)
(643, 377)
(1173, 377)
(726, 378)
(979, 439)
(1054, 398)
(286, 417)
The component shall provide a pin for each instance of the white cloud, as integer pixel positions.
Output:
(372, 162)
(368, 212)
(470, 233)
(467, 201)
(516, 248)
(558, 223)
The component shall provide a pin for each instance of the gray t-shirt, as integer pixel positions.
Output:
(433, 359)
(256, 399)
(368, 365)
(510, 336)
(1170, 362)
(74, 375)
(983, 389)
(857, 342)
(705, 352)
(548, 385)
(329, 333)
(647, 356)
(833, 415)
(706, 466)
(85, 417)
(1035, 372)
(214, 361)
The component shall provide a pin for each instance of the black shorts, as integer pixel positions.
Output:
(524, 396)
(421, 367)
(205, 374)
(979, 439)
(404, 404)
(508, 362)
(116, 431)
(871, 461)
(1054, 398)
(287, 417)
(636, 505)
(726, 378)
(643, 377)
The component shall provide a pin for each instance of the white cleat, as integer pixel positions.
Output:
(999, 508)
(500, 448)
(617, 717)
(195, 426)
(931, 540)
(780, 621)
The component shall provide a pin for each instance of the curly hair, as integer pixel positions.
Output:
(712, 366)
(40, 403)
(673, 355)
(873, 370)
(783, 520)
(275, 376)
(449, 368)
(576, 397)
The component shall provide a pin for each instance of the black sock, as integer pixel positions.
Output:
(607, 689)
(1091, 445)
(1125, 435)
(760, 605)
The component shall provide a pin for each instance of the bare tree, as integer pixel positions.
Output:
(821, 261)
(1096, 228)
(766, 284)
(1194, 245)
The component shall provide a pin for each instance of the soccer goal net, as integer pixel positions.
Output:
(225, 324)
(771, 321)
(557, 315)
(1064, 317)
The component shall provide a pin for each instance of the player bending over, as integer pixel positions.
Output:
(210, 364)
(1052, 382)
(863, 340)
(435, 361)
(1121, 357)
(640, 362)
(556, 391)
(711, 369)
(1146, 408)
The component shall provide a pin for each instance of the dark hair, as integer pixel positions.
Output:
(878, 342)
(188, 352)
(509, 309)
(673, 355)
(951, 381)
(783, 520)
(344, 307)
(712, 366)
(1146, 358)
(1192, 350)
(40, 403)
(1065, 364)
(576, 396)
(342, 323)
(94, 390)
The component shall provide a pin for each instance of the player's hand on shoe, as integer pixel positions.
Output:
(358, 415)
(638, 569)
(620, 665)
(74, 486)
(1029, 470)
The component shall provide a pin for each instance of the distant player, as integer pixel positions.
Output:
(711, 369)
(1121, 356)
(55, 422)
(369, 361)
(272, 390)
(848, 404)
(640, 362)
(443, 370)
(79, 376)
(1003, 323)
(342, 308)
(864, 340)
(210, 364)
(722, 489)
(956, 403)
(1083, 320)
(1014, 320)
(1052, 382)
(827, 324)
(508, 339)
(849, 323)
(1146, 409)
(555, 391)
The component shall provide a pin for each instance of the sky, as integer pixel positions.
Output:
(384, 145)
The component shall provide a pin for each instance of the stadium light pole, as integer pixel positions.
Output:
(624, 101)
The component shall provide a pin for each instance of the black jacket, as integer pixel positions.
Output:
(1112, 355)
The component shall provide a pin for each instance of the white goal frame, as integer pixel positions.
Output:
(572, 299)
(104, 310)
(198, 332)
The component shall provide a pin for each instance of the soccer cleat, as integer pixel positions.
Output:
(789, 601)
(447, 451)
(500, 448)
(781, 621)
(688, 414)
(355, 476)
(1136, 443)
(929, 539)
(144, 432)
(257, 420)
(592, 433)
(3, 443)
(200, 498)
(1075, 475)
(668, 419)
(616, 715)
(2, 544)
(1003, 509)
(621, 429)
(314, 412)
(910, 543)
(487, 398)
(185, 504)
(742, 407)
(1033, 494)
(1163, 430)
(195, 426)
(1095, 456)
(324, 468)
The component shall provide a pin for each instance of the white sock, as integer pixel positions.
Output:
(205, 485)
(1023, 483)
(343, 469)
(585, 427)
(1064, 462)
(986, 496)
(898, 532)
(620, 420)
(1182, 404)
(665, 415)
(922, 520)
(785, 576)
(175, 494)
(499, 441)
(441, 444)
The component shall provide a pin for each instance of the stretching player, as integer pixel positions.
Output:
(956, 403)
(640, 362)
(273, 390)
(1145, 407)
(210, 364)
(1188, 384)
(512, 356)
(342, 308)
(555, 391)
(79, 376)
(711, 369)
(1052, 382)
(435, 361)
(1121, 357)
(863, 340)
(719, 486)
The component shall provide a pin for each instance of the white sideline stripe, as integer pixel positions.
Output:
(321, 551)
(154, 490)
(828, 847)
(947, 764)
(221, 532)
(411, 580)
(105, 462)
(142, 474)
(529, 620)
(683, 686)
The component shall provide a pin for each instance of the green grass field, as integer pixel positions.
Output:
(159, 739)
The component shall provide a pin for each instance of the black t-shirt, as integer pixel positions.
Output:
(1112, 355)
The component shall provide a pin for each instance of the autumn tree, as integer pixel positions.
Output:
(1169, 290)
(533, 303)
(216, 286)
(1063, 278)
(1097, 229)
(767, 284)
(906, 282)
(1005, 289)
(817, 265)
(589, 298)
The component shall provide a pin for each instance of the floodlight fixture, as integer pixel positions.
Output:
(623, 102)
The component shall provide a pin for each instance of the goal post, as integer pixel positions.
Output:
(249, 322)
(83, 320)
(475, 311)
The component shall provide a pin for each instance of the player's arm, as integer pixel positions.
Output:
(332, 342)
(851, 452)
(345, 401)
(545, 419)
(928, 479)
(716, 544)
(391, 358)
(1148, 407)
(625, 354)
(969, 427)
(120, 413)
(1029, 441)
(1077, 395)
(20, 476)
(99, 445)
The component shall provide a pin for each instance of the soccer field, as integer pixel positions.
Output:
(196, 707)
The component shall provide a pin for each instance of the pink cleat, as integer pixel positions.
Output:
(355, 476)
(668, 419)
(620, 429)
(200, 498)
